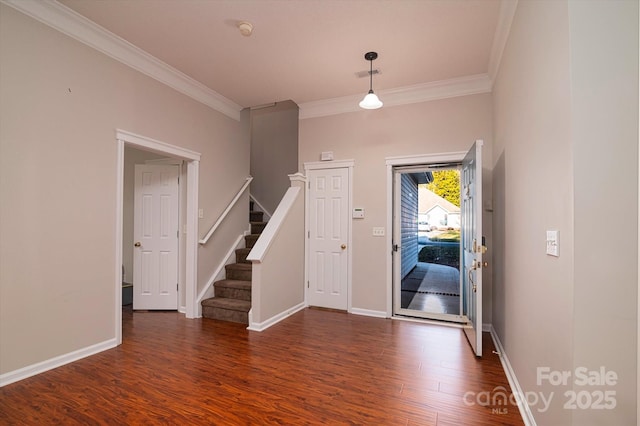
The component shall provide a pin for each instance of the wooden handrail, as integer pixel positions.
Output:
(226, 211)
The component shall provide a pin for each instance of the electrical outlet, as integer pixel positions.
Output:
(200, 213)
(378, 232)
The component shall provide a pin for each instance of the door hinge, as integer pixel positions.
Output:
(177, 233)
(176, 286)
(308, 234)
(307, 284)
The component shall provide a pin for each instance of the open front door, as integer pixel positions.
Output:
(472, 245)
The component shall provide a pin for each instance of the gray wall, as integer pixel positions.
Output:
(565, 156)
(274, 151)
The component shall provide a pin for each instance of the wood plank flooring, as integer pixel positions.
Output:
(315, 367)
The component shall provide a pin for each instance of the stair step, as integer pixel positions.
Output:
(257, 227)
(241, 255)
(224, 309)
(251, 239)
(233, 289)
(238, 271)
(256, 216)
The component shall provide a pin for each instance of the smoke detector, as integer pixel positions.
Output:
(245, 28)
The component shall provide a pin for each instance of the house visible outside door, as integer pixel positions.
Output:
(155, 258)
(328, 236)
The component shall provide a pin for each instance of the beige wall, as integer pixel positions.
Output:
(563, 139)
(281, 280)
(368, 137)
(604, 112)
(61, 103)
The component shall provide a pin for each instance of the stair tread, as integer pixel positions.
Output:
(244, 250)
(241, 266)
(234, 284)
(252, 222)
(230, 304)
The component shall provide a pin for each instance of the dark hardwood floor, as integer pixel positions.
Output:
(316, 367)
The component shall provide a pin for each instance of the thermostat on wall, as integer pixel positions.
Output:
(358, 213)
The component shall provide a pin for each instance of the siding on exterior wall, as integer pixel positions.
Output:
(408, 223)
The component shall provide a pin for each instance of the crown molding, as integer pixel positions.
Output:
(76, 26)
(505, 19)
(443, 89)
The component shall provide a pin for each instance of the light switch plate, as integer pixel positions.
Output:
(200, 213)
(378, 232)
(553, 243)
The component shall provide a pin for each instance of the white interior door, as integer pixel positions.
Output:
(472, 247)
(328, 238)
(155, 230)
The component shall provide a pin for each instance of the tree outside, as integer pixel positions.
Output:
(446, 184)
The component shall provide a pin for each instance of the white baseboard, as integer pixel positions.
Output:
(525, 412)
(368, 313)
(50, 364)
(255, 326)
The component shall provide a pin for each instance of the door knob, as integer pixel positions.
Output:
(344, 246)
(137, 244)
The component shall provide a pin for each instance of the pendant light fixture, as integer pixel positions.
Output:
(370, 101)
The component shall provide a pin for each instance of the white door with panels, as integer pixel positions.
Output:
(329, 223)
(155, 230)
(472, 245)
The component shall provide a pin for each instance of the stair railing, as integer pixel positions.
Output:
(226, 211)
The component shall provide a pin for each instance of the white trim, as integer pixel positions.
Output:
(261, 326)
(368, 313)
(322, 165)
(118, 248)
(191, 243)
(76, 26)
(406, 160)
(217, 273)
(500, 37)
(50, 364)
(424, 92)
(261, 246)
(525, 412)
(156, 146)
(191, 240)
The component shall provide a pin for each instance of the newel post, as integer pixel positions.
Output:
(298, 180)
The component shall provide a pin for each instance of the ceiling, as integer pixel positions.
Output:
(306, 50)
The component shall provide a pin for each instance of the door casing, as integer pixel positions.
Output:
(391, 162)
(191, 217)
(349, 165)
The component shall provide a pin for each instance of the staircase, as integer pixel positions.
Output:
(232, 300)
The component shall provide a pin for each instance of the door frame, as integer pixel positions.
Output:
(403, 161)
(325, 165)
(192, 158)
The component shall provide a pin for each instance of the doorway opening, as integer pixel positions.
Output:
(461, 230)
(427, 205)
(188, 261)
